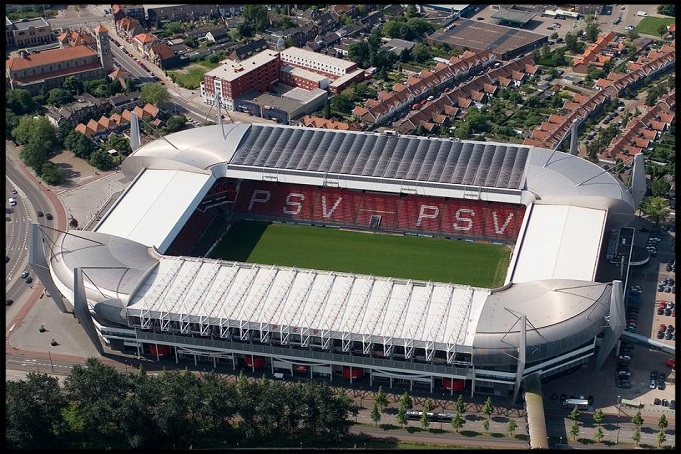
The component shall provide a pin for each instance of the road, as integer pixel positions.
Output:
(30, 200)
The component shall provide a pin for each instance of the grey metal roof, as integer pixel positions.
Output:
(382, 155)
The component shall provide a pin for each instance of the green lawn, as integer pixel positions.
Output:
(189, 77)
(406, 257)
(649, 25)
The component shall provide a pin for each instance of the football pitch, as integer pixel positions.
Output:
(405, 257)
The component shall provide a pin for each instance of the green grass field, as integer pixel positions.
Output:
(406, 257)
(189, 77)
(649, 25)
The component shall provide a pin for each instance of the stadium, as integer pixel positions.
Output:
(150, 277)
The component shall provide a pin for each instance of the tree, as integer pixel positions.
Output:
(73, 85)
(155, 94)
(592, 30)
(120, 144)
(11, 122)
(255, 15)
(655, 207)
(402, 417)
(341, 103)
(575, 414)
(637, 419)
(661, 438)
(511, 426)
(662, 30)
(554, 36)
(381, 398)
(571, 42)
(598, 435)
(429, 405)
(411, 11)
(35, 129)
(458, 421)
(460, 405)
(405, 401)
(632, 34)
(420, 52)
(485, 425)
(51, 174)
(375, 413)
(488, 408)
(637, 435)
(425, 421)
(662, 422)
(59, 97)
(667, 9)
(659, 187)
(574, 430)
(101, 160)
(598, 416)
(33, 412)
(81, 145)
(20, 101)
(175, 123)
(173, 28)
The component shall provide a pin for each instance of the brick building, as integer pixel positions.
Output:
(42, 71)
(232, 79)
(27, 32)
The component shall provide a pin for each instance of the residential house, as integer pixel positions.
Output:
(182, 13)
(162, 55)
(128, 27)
(218, 35)
(248, 50)
(143, 42)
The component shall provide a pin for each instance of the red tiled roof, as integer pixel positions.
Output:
(48, 57)
(145, 38)
(151, 109)
(101, 29)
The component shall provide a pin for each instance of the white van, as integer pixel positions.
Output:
(12, 201)
(641, 13)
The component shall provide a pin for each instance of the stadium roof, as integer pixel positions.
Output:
(382, 156)
(560, 242)
(244, 295)
(513, 15)
(156, 206)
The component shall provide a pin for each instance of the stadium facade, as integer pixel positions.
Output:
(140, 280)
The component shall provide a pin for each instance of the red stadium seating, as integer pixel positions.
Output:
(464, 217)
(420, 213)
(503, 220)
(459, 217)
(377, 204)
(276, 199)
(336, 205)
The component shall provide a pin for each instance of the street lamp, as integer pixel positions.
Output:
(619, 402)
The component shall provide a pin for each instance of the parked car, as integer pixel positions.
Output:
(672, 404)
(653, 375)
(657, 401)
(660, 334)
(653, 384)
(48, 216)
(9, 301)
(28, 280)
(660, 311)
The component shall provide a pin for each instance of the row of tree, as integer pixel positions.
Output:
(599, 417)
(100, 407)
